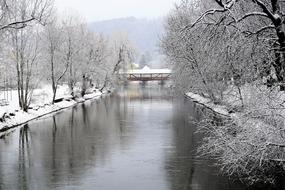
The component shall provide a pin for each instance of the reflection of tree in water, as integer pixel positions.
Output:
(24, 158)
(2, 185)
(69, 142)
(85, 116)
(16, 164)
(121, 113)
(185, 170)
(54, 130)
(150, 91)
(179, 163)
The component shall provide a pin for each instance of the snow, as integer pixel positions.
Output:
(257, 100)
(208, 103)
(41, 105)
(276, 16)
(135, 65)
(92, 95)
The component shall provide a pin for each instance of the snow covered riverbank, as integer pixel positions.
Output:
(253, 134)
(13, 117)
(207, 103)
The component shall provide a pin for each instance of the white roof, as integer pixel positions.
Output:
(147, 70)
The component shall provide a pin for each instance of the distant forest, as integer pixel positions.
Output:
(144, 34)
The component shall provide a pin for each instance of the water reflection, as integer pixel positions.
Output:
(139, 138)
(185, 169)
(24, 158)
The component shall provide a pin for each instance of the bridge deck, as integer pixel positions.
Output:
(147, 74)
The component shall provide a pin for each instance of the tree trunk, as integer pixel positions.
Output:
(54, 85)
(54, 89)
(279, 64)
(71, 82)
(105, 83)
(84, 85)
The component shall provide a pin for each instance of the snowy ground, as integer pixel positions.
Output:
(40, 106)
(256, 101)
(208, 103)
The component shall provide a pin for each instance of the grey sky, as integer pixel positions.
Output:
(94, 10)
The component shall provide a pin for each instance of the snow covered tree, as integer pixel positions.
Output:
(53, 40)
(72, 45)
(95, 59)
(18, 24)
(263, 19)
(25, 54)
(11, 16)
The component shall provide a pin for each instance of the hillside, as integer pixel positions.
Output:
(144, 33)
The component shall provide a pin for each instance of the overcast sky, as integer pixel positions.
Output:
(95, 10)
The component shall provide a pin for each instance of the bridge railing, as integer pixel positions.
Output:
(147, 74)
(147, 77)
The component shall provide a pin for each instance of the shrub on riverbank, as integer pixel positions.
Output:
(249, 144)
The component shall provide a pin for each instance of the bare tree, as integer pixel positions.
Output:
(34, 11)
(17, 14)
(26, 52)
(123, 54)
(72, 46)
(53, 42)
(18, 25)
(262, 18)
(95, 59)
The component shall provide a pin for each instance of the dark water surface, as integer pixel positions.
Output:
(137, 139)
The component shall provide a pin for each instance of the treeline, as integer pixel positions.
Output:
(233, 52)
(37, 46)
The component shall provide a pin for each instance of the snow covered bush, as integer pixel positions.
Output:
(250, 144)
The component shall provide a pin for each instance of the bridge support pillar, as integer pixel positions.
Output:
(126, 83)
(162, 82)
(144, 83)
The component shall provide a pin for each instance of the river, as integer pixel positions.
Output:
(140, 138)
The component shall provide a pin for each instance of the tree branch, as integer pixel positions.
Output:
(14, 24)
(209, 12)
(62, 74)
(260, 30)
(265, 10)
(278, 145)
(249, 15)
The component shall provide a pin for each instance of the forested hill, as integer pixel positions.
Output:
(144, 33)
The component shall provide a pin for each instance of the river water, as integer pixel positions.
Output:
(140, 138)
